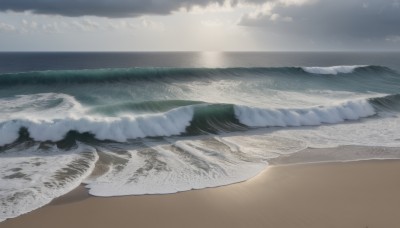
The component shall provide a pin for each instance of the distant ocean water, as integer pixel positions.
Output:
(153, 123)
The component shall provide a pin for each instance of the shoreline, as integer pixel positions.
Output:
(335, 194)
(339, 154)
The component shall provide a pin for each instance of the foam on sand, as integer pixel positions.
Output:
(31, 177)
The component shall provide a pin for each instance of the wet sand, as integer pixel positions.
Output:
(352, 194)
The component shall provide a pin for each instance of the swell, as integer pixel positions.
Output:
(155, 74)
(192, 119)
(390, 103)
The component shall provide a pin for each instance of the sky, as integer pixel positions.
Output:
(200, 25)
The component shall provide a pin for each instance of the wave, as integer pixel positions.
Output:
(194, 119)
(32, 176)
(389, 103)
(170, 123)
(41, 104)
(154, 74)
(332, 70)
(349, 110)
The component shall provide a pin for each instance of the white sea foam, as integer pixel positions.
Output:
(376, 132)
(332, 70)
(119, 129)
(349, 110)
(159, 166)
(180, 164)
(175, 122)
(40, 106)
(30, 177)
(174, 166)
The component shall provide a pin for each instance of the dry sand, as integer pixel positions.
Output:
(354, 194)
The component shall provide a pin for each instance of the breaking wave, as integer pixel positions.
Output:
(332, 70)
(195, 119)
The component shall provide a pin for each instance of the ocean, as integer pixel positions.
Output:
(157, 123)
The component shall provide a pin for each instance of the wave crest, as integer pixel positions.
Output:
(193, 120)
(349, 110)
(173, 122)
(332, 70)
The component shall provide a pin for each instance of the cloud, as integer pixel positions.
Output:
(393, 39)
(85, 25)
(266, 9)
(110, 8)
(31, 25)
(4, 27)
(80, 25)
(325, 19)
(291, 24)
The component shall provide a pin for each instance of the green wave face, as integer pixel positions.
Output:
(390, 103)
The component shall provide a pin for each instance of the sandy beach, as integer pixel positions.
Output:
(352, 194)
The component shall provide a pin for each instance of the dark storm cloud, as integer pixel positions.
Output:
(104, 8)
(345, 19)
